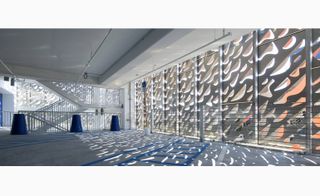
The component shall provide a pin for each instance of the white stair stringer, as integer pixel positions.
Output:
(69, 97)
(59, 114)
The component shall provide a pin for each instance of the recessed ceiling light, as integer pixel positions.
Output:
(12, 82)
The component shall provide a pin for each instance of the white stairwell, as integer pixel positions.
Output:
(75, 99)
(59, 112)
(85, 96)
(66, 96)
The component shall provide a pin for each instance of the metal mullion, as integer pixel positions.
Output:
(195, 80)
(255, 85)
(165, 99)
(308, 50)
(163, 124)
(151, 104)
(177, 100)
(221, 48)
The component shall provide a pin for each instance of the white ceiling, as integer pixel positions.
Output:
(125, 54)
(53, 49)
(116, 45)
(62, 54)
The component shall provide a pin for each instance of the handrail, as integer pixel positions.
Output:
(56, 126)
(44, 108)
(61, 121)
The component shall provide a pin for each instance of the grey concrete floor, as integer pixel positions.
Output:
(126, 148)
(58, 149)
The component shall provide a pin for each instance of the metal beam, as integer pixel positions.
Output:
(44, 74)
(143, 44)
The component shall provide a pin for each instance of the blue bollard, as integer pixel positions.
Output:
(115, 126)
(76, 124)
(19, 126)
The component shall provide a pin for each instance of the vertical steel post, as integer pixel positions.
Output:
(165, 94)
(87, 119)
(67, 120)
(163, 124)
(255, 85)
(178, 98)
(308, 33)
(151, 105)
(220, 91)
(196, 109)
(129, 105)
(103, 119)
(33, 123)
(142, 106)
(201, 124)
(29, 127)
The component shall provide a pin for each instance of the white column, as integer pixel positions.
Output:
(127, 98)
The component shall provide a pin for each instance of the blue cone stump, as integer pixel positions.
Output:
(76, 126)
(115, 126)
(19, 126)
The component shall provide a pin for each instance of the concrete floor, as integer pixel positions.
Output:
(134, 148)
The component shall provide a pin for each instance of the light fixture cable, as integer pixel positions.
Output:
(93, 55)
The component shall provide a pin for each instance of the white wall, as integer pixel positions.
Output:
(6, 88)
(8, 102)
(8, 92)
(129, 107)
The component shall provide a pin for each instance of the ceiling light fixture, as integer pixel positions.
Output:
(12, 81)
(85, 75)
(94, 54)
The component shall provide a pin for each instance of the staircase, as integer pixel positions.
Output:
(74, 98)
(85, 95)
(63, 92)
(38, 123)
(56, 119)
(52, 116)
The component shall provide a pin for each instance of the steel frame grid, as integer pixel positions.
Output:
(256, 118)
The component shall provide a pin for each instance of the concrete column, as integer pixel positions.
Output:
(127, 98)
